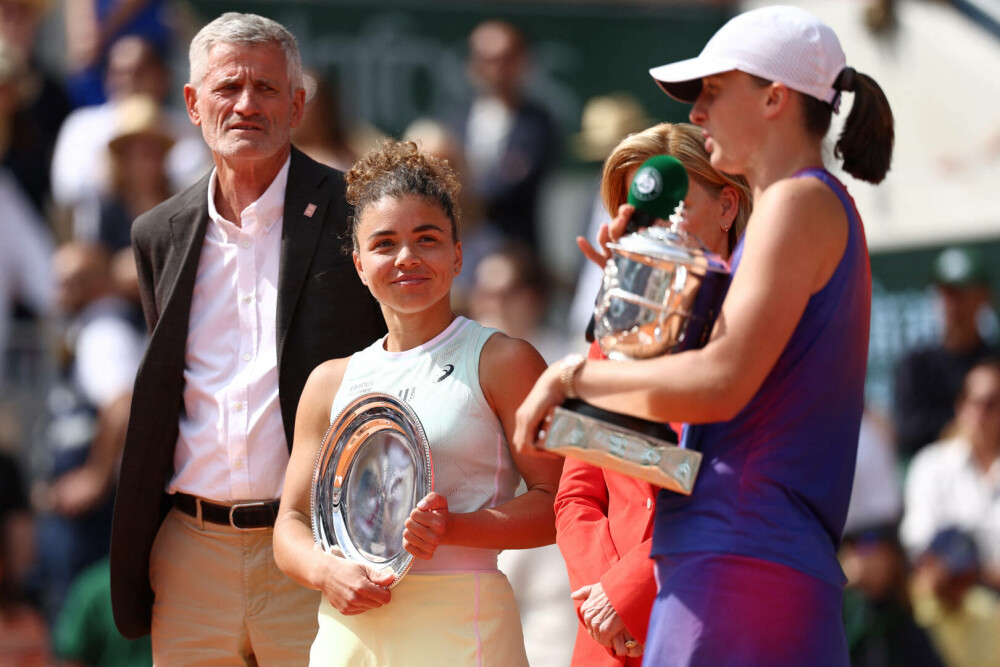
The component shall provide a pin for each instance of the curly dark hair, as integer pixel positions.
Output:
(398, 168)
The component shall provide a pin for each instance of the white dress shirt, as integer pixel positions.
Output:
(945, 487)
(231, 444)
(107, 349)
(487, 134)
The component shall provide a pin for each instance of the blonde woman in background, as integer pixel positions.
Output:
(604, 520)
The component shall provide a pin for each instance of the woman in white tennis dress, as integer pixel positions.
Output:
(464, 382)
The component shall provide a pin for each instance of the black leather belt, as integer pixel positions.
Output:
(249, 515)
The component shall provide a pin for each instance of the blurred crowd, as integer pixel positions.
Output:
(923, 529)
(85, 151)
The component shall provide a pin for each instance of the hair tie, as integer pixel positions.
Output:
(845, 80)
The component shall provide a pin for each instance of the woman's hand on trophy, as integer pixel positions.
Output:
(608, 233)
(535, 414)
(424, 529)
(353, 588)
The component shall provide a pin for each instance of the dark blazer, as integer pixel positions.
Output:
(509, 192)
(324, 312)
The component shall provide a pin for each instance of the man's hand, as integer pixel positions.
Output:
(78, 491)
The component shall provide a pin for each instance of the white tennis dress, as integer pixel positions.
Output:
(457, 608)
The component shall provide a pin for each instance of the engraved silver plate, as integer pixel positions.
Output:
(372, 469)
(629, 452)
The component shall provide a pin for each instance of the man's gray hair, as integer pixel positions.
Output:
(244, 30)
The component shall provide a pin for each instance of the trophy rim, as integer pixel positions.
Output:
(656, 246)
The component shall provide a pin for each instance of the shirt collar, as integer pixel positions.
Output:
(261, 214)
(964, 448)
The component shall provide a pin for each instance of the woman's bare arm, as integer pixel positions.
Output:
(350, 587)
(508, 368)
(796, 237)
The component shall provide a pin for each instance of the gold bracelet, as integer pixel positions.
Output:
(569, 367)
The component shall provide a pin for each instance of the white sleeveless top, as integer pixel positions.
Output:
(439, 380)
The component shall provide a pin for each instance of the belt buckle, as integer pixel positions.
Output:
(232, 514)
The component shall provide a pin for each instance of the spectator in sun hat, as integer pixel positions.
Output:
(606, 120)
(134, 67)
(136, 173)
(928, 379)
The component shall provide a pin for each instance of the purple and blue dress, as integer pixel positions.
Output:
(746, 565)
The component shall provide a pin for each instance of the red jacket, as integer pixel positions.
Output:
(604, 527)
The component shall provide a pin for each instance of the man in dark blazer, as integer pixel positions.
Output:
(509, 140)
(238, 318)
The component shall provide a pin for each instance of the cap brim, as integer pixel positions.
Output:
(682, 80)
(165, 140)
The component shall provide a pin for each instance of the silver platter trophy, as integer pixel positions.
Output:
(661, 293)
(372, 469)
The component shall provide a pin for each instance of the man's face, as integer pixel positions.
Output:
(961, 303)
(979, 410)
(134, 68)
(19, 21)
(245, 104)
(496, 60)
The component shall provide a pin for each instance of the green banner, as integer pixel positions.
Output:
(397, 61)
(905, 313)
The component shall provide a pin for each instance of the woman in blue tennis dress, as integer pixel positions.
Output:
(746, 565)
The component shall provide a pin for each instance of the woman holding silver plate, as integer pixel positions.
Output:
(464, 382)
(746, 565)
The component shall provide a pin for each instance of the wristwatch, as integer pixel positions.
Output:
(569, 367)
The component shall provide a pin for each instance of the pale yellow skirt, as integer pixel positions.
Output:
(433, 620)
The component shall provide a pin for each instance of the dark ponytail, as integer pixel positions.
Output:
(865, 144)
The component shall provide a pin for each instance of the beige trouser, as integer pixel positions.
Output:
(221, 599)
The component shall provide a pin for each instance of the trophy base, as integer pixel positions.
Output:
(627, 445)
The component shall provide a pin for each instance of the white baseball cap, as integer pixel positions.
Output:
(784, 44)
